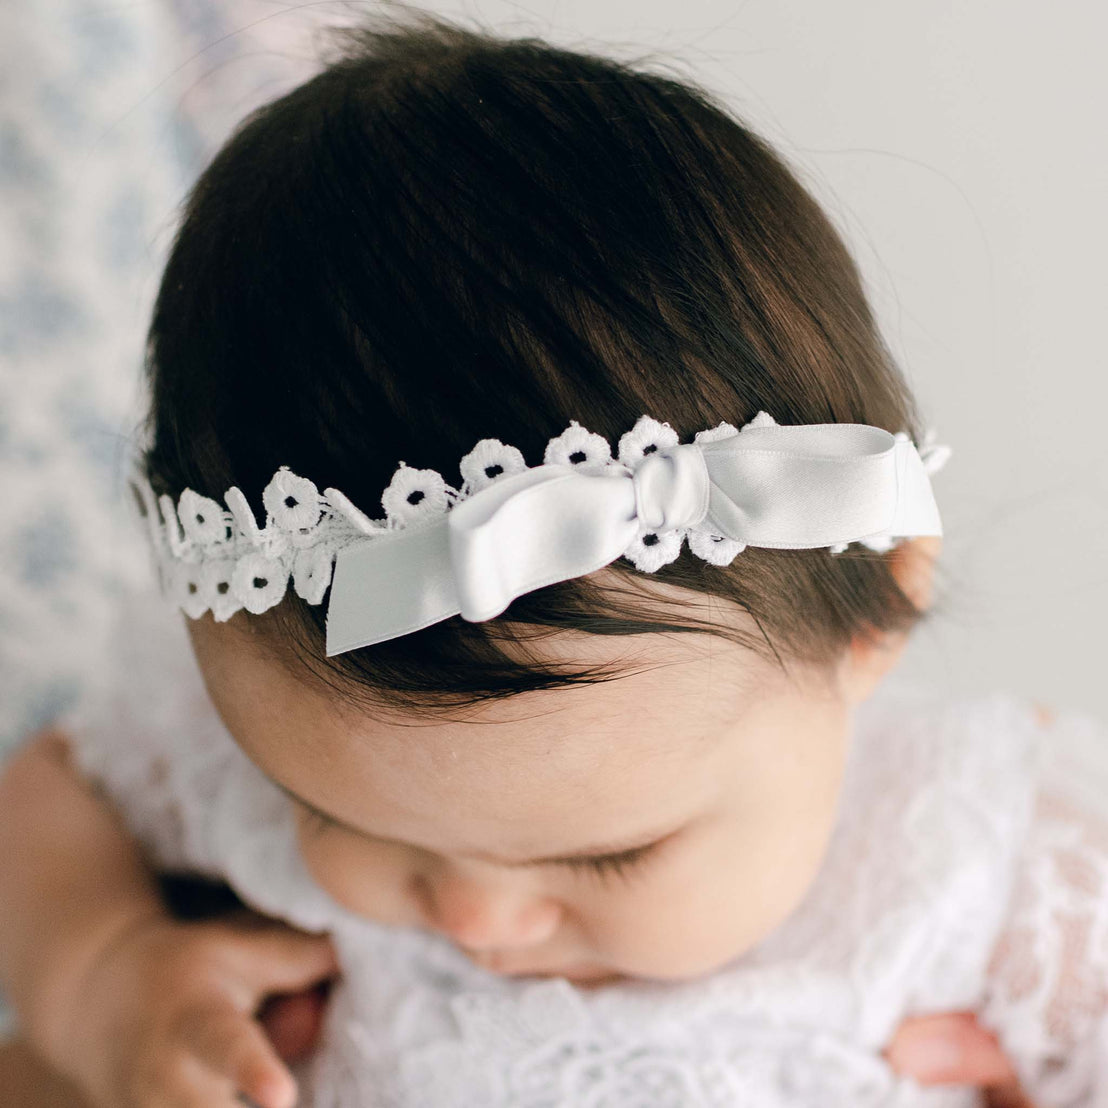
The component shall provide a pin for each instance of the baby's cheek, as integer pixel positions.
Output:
(699, 915)
(673, 929)
(672, 926)
(364, 879)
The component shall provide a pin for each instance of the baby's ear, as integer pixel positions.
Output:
(912, 562)
(871, 656)
(1043, 714)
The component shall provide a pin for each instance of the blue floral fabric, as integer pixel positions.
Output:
(107, 113)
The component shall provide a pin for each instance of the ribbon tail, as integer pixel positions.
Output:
(546, 524)
(916, 512)
(390, 585)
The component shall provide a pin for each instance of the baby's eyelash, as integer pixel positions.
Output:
(621, 865)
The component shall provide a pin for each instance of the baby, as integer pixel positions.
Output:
(581, 830)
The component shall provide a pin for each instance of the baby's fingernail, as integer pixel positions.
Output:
(932, 1057)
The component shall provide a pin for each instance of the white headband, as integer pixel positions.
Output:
(512, 528)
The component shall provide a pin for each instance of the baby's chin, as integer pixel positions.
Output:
(582, 979)
(581, 976)
(590, 979)
(596, 979)
(586, 976)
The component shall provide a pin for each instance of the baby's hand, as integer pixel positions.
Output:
(166, 1016)
(952, 1048)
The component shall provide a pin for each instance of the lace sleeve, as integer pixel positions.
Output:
(1047, 996)
(149, 737)
(143, 732)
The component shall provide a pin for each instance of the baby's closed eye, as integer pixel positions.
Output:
(619, 864)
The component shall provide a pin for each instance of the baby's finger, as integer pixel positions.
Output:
(235, 1046)
(285, 961)
(953, 1048)
(949, 1048)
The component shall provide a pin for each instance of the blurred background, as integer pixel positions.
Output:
(958, 146)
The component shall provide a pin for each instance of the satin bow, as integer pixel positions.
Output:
(784, 486)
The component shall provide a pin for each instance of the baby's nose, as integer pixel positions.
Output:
(485, 914)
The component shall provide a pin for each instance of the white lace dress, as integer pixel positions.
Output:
(968, 869)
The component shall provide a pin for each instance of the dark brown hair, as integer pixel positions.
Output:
(445, 236)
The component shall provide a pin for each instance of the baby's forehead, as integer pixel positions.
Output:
(644, 693)
(652, 702)
(670, 697)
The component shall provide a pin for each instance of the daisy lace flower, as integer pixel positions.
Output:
(414, 495)
(204, 520)
(259, 582)
(293, 504)
(576, 446)
(487, 461)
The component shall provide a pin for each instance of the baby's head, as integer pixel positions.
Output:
(446, 237)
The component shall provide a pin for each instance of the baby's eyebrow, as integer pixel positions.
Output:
(587, 854)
